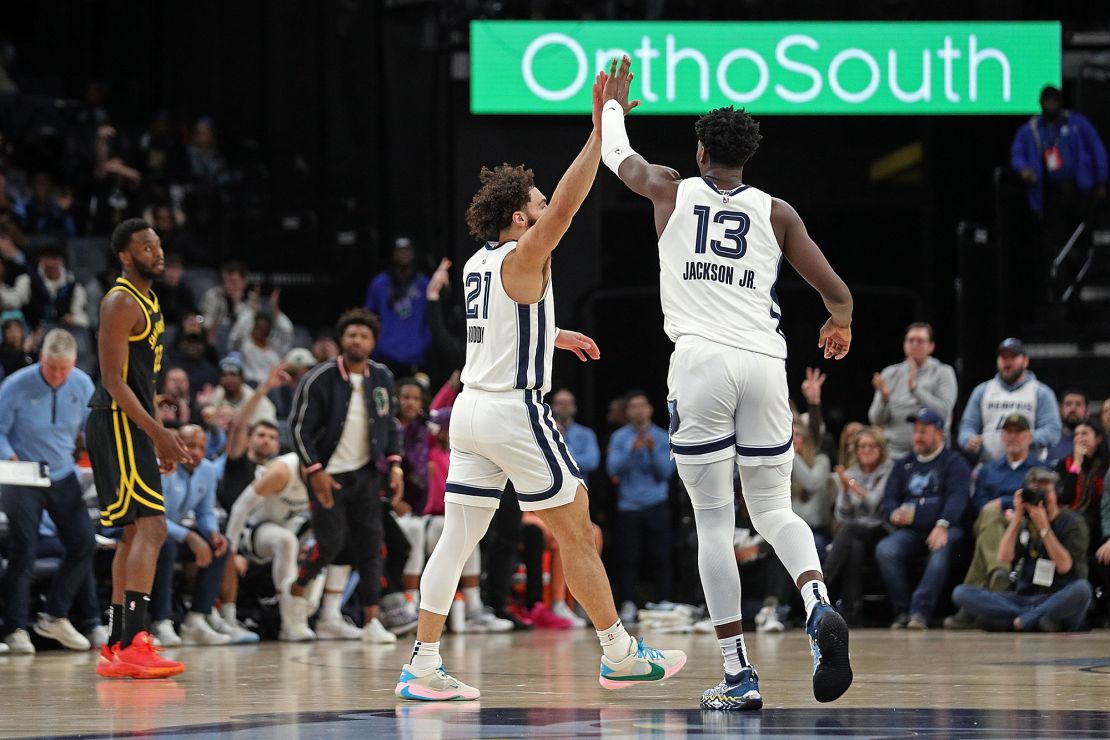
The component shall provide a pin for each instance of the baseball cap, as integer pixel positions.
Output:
(1016, 420)
(231, 365)
(927, 416)
(1013, 345)
(300, 357)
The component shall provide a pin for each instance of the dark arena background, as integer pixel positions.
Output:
(299, 158)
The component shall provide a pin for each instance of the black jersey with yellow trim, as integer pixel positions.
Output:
(144, 352)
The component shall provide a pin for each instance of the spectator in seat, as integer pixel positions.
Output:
(860, 525)
(1104, 414)
(191, 488)
(925, 499)
(1015, 389)
(234, 392)
(640, 462)
(221, 304)
(13, 351)
(919, 381)
(324, 347)
(1081, 487)
(261, 337)
(398, 297)
(810, 487)
(174, 296)
(44, 213)
(193, 353)
(1073, 410)
(56, 296)
(1047, 546)
(991, 505)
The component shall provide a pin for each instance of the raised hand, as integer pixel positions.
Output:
(616, 87)
(811, 386)
(438, 280)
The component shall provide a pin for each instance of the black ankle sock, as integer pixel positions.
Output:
(115, 624)
(134, 615)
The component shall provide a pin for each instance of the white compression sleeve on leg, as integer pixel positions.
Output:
(711, 493)
(767, 493)
(614, 139)
(463, 527)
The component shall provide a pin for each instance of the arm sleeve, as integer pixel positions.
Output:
(972, 421)
(892, 496)
(281, 336)
(1047, 427)
(661, 456)
(247, 502)
(959, 486)
(304, 419)
(620, 449)
(943, 401)
(590, 455)
(8, 396)
(241, 329)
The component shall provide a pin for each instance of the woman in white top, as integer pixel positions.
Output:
(859, 527)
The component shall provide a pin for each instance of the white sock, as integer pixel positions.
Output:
(229, 613)
(473, 596)
(330, 608)
(616, 642)
(735, 654)
(814, 593)
(425, 656)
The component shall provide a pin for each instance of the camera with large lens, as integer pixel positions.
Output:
(1032, 496)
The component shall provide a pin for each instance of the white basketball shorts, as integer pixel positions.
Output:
(498, 437)
(728, 401)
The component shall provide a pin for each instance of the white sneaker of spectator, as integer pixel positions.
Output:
(767, 620)
(628, 613)
(560, 609)
(195, 631)
(98, 636)
(375, 634)
(331, 628)
(62, 630)
(165, 634)
(19, 642)
(486, 621)
(239, 634)
(398, 614)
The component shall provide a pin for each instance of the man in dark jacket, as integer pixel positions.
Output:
(926, 497)
(343, 420)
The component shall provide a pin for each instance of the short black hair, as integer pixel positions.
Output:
(922, 325)
(235, 266)
(1051, 92)
(729, 136)
(1075, 392)
(359, 317)
(121, 236)
(637, 393)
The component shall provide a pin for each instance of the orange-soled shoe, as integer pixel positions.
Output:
(141, 659)
(107, 665)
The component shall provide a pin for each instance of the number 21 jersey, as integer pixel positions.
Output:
(718, 267)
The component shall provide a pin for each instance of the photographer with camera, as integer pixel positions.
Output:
(1047, 547)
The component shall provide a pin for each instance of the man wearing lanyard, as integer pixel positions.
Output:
(42, 412)
(1048, 548)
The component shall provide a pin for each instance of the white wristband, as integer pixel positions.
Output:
(614, 139)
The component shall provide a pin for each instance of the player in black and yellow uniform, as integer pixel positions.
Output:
(129, 448)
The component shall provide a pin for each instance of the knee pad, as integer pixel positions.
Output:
(709, 485)
(767, 493)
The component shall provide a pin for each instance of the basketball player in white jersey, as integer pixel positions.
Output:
(502, 430)
(272, 511)
(721, 243)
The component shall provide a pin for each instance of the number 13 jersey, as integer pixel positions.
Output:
(509, 345)
(718, 267)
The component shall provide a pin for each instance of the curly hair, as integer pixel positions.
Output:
(729, 136)
(359, 317)
(505, 189)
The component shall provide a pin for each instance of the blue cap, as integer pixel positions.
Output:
(1013, 345)
(927, 416)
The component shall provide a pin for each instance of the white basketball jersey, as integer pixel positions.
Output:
(293, 499)
(509, 345)
(997, 404)
(718, 266)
